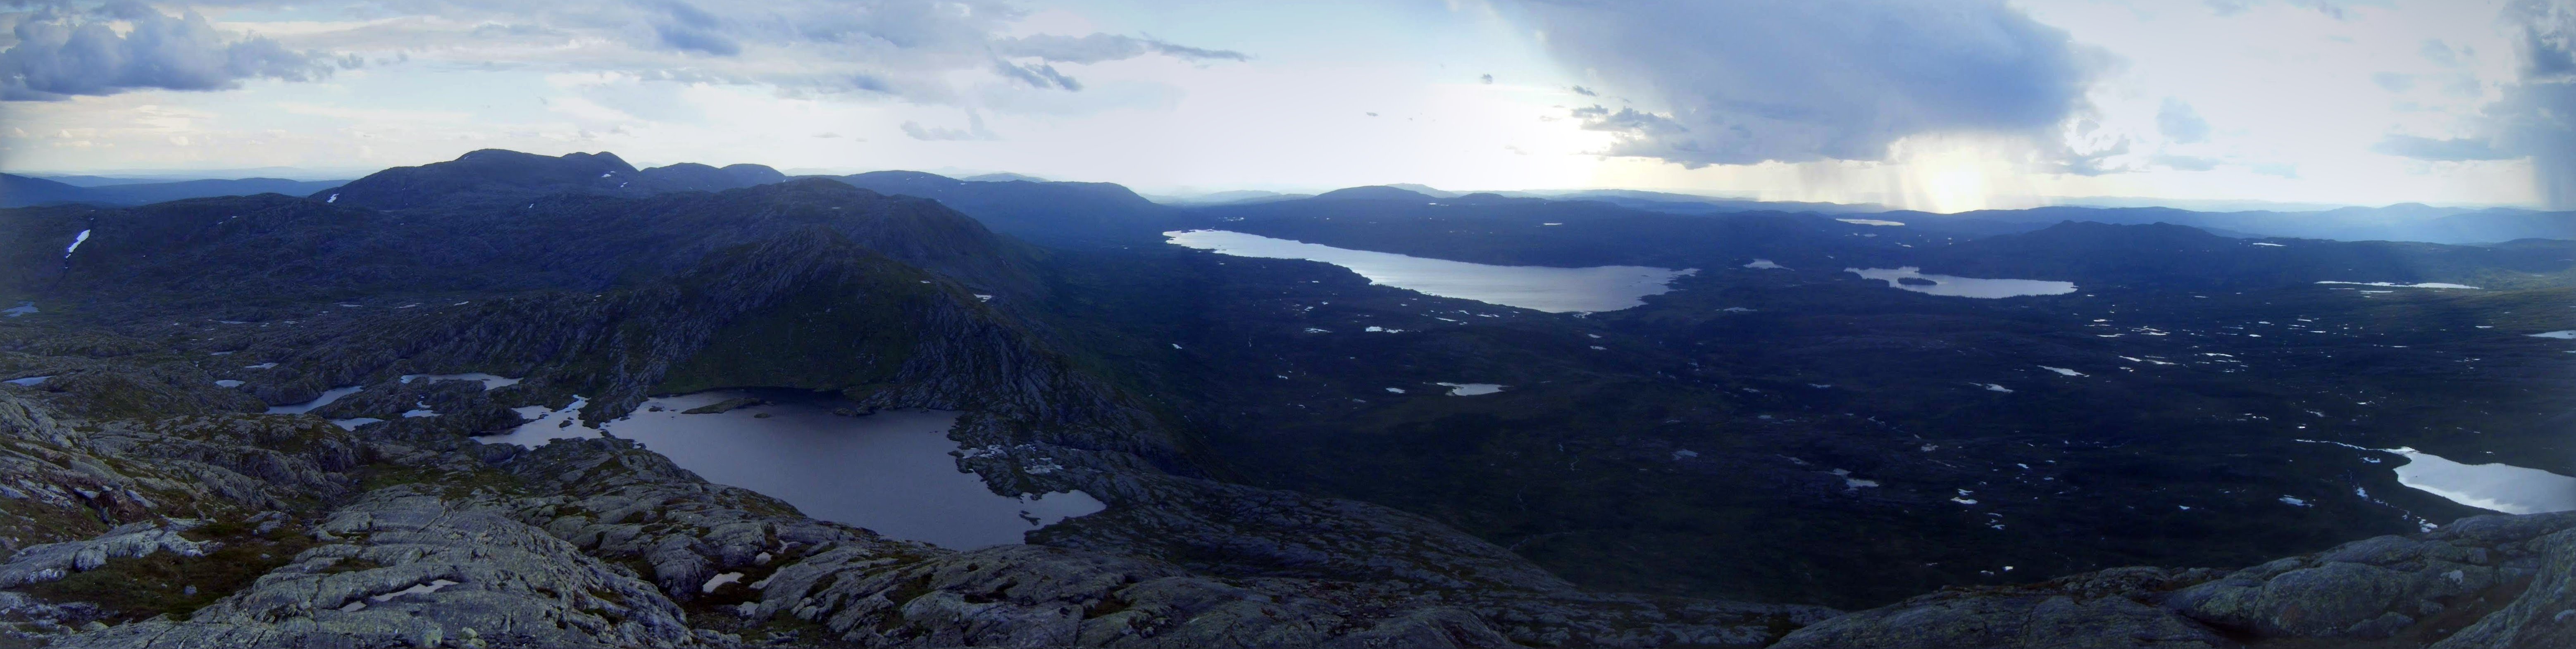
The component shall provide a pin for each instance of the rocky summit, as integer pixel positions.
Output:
(373, 417)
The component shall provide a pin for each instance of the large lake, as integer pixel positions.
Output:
(891, 472)
(2500, 487)
(1542, 288)
(1962, 286)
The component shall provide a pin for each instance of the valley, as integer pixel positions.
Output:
(1367, 415)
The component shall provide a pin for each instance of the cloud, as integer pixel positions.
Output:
(2537, 115)
(974, 131)
(2283, 170)
(689, 28)
(61, 53)
(1747, 82)
(1037, 75)
(2184, 162)
(950, 52)
(2440, 150)
(2088, 164)
(2179, 122)
(1487, 79)
(1587, 92)
(2394, 82)
(2441, 54)
(2336, 9)
(1095, 48)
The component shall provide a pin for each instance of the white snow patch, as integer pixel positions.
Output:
(1995, 388)
(77, 240)
(2061, 371)
(327, 397)
(420, 589)
(2561, 335)
(1851, 483)
(260, 366)
(489, 381)
(2295, 501)
(719, 581)
(227, 383)
(2270, 245)
(1765, 264)
(1870, 222)
(354, 423)
(31, 381)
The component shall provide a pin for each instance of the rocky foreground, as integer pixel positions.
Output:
(287, 531)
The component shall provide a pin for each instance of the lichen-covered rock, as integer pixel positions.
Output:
(2480, 582)
(53, 561)
(2112, 608)
(2374, 588)
(2543, 616)
(409, 568)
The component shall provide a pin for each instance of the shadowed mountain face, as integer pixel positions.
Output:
(275, 246)
(19, 191)
(1047, 213)
(493, 177)
(1291, 454)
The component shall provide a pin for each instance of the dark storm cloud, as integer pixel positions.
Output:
(1746, 82)
(2537, 116)
(1096, 48)
(61, 53)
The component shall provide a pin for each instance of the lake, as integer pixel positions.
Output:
(2500, 487)
(1541, 288)
(891, 472)
(1962, 286)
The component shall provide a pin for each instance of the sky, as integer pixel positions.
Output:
(1943, 105)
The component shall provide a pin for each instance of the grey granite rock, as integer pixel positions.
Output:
(2480, 582)
(53, 561)
(409, 568)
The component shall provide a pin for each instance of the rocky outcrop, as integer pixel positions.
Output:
(2488, 581)
(53, 561)
(404, 566)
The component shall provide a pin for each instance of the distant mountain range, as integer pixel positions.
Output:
(22, 191)
(1097, 213)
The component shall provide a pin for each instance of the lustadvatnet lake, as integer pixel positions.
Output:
(891, 471)
(1541, 288)
(1963, 286)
